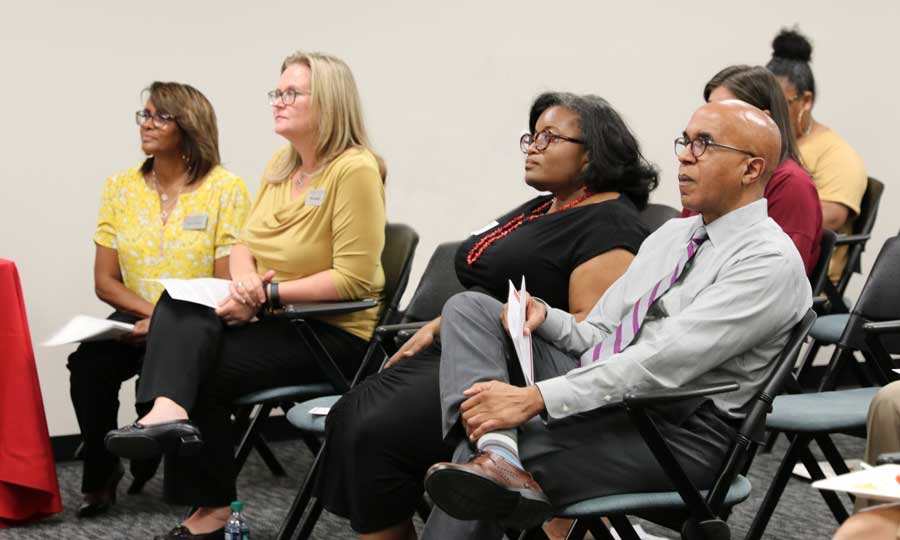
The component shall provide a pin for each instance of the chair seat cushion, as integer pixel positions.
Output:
(301, 417)
(634, 503)
(301, 392)
(824, 412)
(828, 329)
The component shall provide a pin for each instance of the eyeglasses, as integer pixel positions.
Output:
(160, 119)
(699, 146)
(542, 140)
(287, 97)
(798, 97)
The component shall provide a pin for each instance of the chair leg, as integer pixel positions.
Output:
(623, 527)
(309, 523)
(831, 498)
(598, 529)
(835, 365)
(265, 452)
(806, 365)
(292, 520)
(779, 482)
(249, 437)
(580, 528)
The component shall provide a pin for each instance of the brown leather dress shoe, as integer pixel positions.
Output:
(488, 487)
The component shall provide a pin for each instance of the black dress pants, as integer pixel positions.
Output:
(196, 360)
(96, 372)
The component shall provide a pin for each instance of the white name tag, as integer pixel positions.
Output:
(485, 229)
(315, 197)
(194, 223)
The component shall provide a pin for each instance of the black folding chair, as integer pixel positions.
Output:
(396, 260)
(856, 243)
(805, 418)
(699, 515)
(878, 301)
(654, 215)
(438, 283)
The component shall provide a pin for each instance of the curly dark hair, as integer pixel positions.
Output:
(615, 162)
(791, 53)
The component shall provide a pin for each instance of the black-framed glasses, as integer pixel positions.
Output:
(542, 140)
(160, 119)
(287, 97)
(699, 146)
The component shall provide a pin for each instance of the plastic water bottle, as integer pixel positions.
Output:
(237, 528)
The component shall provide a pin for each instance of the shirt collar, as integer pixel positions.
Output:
(736, 221)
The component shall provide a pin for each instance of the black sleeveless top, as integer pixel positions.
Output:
(548, 249)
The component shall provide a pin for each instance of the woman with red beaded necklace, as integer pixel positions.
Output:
(570, 245)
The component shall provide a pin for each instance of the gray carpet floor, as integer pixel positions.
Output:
(801, 514)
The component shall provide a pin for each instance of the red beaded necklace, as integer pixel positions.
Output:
(515, 223)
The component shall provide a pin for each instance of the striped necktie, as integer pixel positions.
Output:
(629, 326)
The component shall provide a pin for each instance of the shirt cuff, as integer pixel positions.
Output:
(554, 324)
(558, 397)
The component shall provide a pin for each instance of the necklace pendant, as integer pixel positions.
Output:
(163, 197)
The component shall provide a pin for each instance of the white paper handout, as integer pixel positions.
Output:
(204, 291)
(86, 328)
(882, 483)
(515, 318)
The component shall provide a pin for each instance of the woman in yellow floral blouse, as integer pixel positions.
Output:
(175, 216)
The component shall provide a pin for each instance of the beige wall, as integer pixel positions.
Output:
(446, 89)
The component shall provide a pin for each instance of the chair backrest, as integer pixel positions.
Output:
(879, 299)
(752, 430)
(819, 273)
(438, 283)
(400, 243)
(654, 215)
(864, 223)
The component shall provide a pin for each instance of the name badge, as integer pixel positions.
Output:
(485, 229)
(315, 197)
(194, 223)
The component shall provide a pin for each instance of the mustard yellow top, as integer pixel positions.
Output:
(130, 223)
(337, 225)
(840, 177)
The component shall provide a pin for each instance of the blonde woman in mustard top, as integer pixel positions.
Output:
(177, 215)
(315, 233)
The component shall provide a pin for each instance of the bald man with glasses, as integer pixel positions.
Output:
(708, 299)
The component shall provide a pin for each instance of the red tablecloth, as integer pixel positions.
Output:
(28, 486)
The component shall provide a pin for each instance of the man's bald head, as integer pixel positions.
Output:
(749, 128)
(734, 148)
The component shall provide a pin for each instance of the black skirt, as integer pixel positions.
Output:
(382, 437)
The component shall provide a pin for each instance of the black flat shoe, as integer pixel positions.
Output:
(138, 441)
(142, 471)
(182, 533)
(90, 508)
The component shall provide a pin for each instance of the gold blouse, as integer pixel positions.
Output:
(336, 226)
(202, 227)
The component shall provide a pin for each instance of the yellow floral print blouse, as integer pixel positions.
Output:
(185, 247)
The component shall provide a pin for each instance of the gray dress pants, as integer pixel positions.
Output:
(587, 455)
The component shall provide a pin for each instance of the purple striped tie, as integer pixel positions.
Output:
(628, 327)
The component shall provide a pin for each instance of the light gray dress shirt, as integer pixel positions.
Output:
(725, 320)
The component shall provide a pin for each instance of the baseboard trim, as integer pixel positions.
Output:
(65, 447)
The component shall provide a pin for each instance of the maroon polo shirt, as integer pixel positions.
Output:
(794, 204)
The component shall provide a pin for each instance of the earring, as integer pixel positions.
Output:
(184, 158)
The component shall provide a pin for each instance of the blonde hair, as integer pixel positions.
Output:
(335, 101)
(195, 117)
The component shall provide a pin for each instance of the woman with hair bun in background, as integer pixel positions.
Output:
(837, 170)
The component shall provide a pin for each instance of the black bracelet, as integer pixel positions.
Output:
(274, 297)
